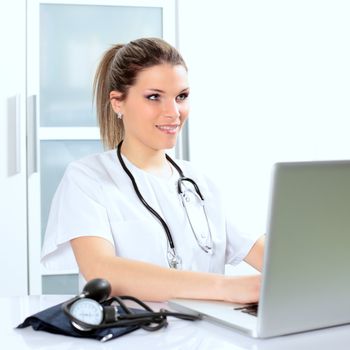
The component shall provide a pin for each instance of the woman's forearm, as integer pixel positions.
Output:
(151, 282)
(155, 283)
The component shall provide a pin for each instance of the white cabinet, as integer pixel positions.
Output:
(13, 220)
(66, 40)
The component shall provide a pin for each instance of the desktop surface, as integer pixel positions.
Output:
(178, 335)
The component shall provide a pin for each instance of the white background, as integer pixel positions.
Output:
(270, 81)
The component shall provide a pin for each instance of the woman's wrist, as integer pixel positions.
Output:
(218, 288)
(241, 289)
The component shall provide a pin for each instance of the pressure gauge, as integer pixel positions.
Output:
(88, 311)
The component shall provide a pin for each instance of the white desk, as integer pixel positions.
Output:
(178, 335)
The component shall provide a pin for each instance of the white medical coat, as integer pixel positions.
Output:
(95, 198)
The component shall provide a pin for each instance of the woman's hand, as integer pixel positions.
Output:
(241, 289)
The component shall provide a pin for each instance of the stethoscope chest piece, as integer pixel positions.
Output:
(174, 260)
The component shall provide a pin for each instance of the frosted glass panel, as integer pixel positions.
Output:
(55, 156)
(72, 40)
(61, 284)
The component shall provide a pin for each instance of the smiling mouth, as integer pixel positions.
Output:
(168, 128)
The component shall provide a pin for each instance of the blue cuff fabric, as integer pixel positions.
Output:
(53, 320)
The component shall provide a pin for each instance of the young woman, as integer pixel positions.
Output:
(154, 228)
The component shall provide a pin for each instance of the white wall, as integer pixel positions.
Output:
(270, 82)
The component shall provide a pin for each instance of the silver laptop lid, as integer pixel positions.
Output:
(306, 281)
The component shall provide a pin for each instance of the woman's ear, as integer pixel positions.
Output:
(115, 98)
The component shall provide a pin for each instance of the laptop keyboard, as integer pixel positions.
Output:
(251, 309)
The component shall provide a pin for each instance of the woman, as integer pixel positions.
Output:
(120, 212)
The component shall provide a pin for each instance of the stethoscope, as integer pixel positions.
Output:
(93, 309)
(204, 240)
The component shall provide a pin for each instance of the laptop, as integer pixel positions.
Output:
(306, 274)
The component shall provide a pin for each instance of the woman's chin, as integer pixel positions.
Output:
(170, 145)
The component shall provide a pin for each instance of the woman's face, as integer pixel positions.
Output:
(156, 107)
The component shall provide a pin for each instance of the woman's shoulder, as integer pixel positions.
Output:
(93, 166)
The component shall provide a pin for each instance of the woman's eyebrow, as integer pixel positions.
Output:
(162, 91)
(156, 90)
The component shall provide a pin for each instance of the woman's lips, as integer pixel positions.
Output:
(168, 128)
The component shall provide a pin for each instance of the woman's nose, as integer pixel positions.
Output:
(171, 109)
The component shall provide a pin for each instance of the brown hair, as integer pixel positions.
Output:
(118, 71)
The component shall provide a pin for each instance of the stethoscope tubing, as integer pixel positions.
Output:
(175, 260)
(139, 195)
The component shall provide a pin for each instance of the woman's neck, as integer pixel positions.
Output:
(147, 159)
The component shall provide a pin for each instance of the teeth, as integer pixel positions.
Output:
(167, 127)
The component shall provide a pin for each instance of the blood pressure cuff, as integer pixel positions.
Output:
(53, 320)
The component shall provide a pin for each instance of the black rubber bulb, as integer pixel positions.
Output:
(98, 289)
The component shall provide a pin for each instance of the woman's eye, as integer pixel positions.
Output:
(153, 97)
(182, 97)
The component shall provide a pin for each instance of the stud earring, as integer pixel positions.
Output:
(119, 115)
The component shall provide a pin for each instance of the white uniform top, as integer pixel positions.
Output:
(96, 198)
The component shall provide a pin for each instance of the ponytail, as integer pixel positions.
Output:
(111, 128)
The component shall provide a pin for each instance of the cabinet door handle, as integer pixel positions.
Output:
(18, 134)
(32, 135)
(14, 134)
